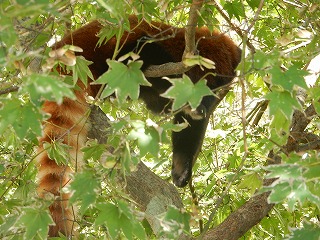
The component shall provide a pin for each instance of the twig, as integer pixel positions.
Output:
(232, 26)
(190, 32)
(195, 201)
(255, 18)
(9, 90)
(309, 146)
(171, 68)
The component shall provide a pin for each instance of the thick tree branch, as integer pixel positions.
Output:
(152, 194)
(241, 220)
(315, 145)
(149, 191)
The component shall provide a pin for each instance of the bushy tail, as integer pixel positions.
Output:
(67, 125)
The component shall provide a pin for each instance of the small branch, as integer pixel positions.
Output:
(255, 18)
(195, 202)
(309, 146)
(302, 119)
(190, 32)
(179, 67)
(166, 69)
(9, 90)
(263, 108)
(232, 26)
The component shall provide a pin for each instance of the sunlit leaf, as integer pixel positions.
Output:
(124, 80)
(290, 185)
(85, 186)
(22, 117)
(174, 222)
(148, 138)
(119, 218)
(290, 78)
(309, 231)
(47, 87)
(36, 222)
(183, 92)
(283, 101)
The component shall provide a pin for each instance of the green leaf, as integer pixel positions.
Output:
(36, 222)
(289, 79)
(9, 113)
(85, 186)
(251, 181)
(309, 231)
(106, 33)
(253, 3)
(284, 171)
(46, 87)
(81, 70)
(183, 91)
(58, 151)
(279, 128)
(290, 185)
(124, 80)
(109, 215)
(264, 60)
(8, 36)
(283, 101)
(234, 8)
(23, 117)
(119, 218)
(9, 223)
(93, 151)
(148, 138)
(173, 222)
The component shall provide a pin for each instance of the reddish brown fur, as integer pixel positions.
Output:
(67, 121)
(65, 124)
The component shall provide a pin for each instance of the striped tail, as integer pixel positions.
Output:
(66, 124)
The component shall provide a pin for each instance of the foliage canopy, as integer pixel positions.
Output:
(271, 113)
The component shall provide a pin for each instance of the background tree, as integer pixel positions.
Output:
(258, 173)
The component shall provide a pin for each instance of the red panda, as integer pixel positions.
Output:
(67, 121)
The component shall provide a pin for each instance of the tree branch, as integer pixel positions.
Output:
(190, 32)
(152, 194)
(165, 69)
(171, 68)
(232, 26)
(9, 90)
(241, 220)
(257, 207)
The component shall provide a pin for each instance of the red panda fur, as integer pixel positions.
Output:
(67, 122)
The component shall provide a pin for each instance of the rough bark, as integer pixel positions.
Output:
(241, 220)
